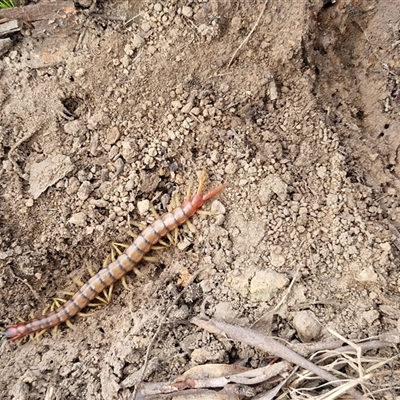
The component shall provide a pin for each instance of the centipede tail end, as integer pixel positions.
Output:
(16, 332)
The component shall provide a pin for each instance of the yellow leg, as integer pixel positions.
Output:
(169, 236)
(202, 180)
(189, 191)
(84, 315)
(191, 227)
(70, 324)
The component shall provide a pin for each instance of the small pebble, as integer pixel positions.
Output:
(231, 168)
(78, 219)
(176, 104)
(146, 26)
(165, 200)
(47, 173)
(272, 184)
(138, 41)
(367, 274)
(79, 72)
(265, 284)
(370, 316)
(113, 135)
(73, 185)
(187, 11)
(73, 127)
(307, 326)
(5, 254)
(217, 207)
(85, 190)
(277, 258)
(187, 107)
(128, 50)
(143, 206)
(203, 355)
(95, 119)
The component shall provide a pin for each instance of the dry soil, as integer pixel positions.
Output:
(126, 102)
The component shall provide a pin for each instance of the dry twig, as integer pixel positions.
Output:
(271, 346)
(197, 380)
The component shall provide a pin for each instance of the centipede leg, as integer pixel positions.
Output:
(115, 252)
(202, 181)
(169, 236)
(70, 324)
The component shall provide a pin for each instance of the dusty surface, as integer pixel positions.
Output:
(302, 126)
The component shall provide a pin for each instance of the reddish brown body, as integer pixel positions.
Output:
(116, 270)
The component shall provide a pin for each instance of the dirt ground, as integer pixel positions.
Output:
(126, 102)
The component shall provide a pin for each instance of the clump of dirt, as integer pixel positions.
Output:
(301, 123)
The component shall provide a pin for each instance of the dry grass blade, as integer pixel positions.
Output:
(249, 35)
(355, 347)
(346, 364)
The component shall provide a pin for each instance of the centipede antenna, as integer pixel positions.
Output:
(213, 192)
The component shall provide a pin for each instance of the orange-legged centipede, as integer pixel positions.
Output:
(118, 268)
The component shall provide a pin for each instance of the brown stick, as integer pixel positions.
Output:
(40, 11)
(270, 346)
(250, 377)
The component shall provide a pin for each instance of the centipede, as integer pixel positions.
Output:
(117, 269)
